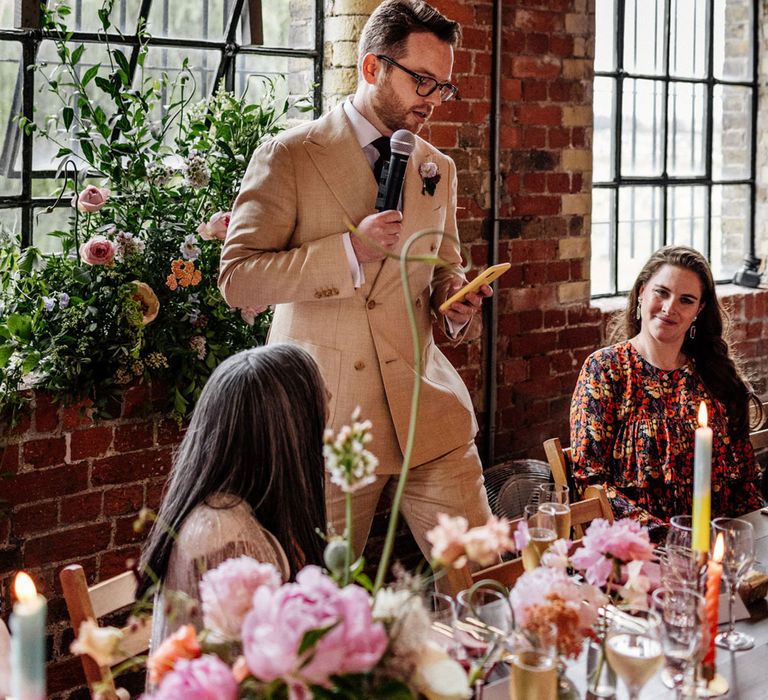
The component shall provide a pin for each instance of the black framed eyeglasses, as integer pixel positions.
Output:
(425, 85)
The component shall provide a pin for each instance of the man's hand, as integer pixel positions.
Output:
(461, 312)
(383, 228)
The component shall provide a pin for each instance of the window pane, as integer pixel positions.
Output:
(10, 57)
(639, 231)
(687, 216)
(6, 18)
(644, 36)
(190, 19)
(602, 140)
(733, 39)
(10, 223)
(687, 38)
(85, 18)
(45, 222)
(605, 35)
(642, 127)
(287, 23)
(731, 135)
(685, 146)
(601, 264)
(299, 77)
(730, 228)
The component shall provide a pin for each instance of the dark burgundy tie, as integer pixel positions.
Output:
(381, 144)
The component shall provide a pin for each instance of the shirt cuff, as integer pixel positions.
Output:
(358, 276)
(453, 329)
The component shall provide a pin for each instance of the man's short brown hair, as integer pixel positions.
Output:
(392, 22)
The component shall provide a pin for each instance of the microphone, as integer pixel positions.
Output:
(393, 172)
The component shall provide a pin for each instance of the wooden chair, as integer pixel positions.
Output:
(559, 459)
(84, 602)
(759, 437)
(595, 505)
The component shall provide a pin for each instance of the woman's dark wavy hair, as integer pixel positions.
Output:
(256, 433)
(709, 348)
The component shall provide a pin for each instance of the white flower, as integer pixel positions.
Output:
(428, 170)
(438, 676)
(100, 643)
(389, 604)
(635, 590)
(350, 465)
(189, 248)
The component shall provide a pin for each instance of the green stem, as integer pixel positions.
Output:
(348, 556)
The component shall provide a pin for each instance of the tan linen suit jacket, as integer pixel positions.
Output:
(284, 247)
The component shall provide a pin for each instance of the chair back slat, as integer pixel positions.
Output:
(113, 594)
(557, 458)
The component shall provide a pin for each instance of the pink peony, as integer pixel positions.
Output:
(206, 678)
(99, 250)
(216, 228)
(91, 199)
(227, 592)
(485, 544)
(447, 540)
(605, 544)
(275, 627)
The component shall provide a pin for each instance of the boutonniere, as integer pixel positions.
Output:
(430, 176)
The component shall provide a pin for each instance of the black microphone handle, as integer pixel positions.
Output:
(391, 183)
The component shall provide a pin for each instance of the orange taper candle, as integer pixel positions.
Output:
(712, 599)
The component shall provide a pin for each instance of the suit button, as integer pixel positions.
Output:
(359, 365)
(318, 295)
(418, 303)
(335, 291)
(433, 247)
(371, 304)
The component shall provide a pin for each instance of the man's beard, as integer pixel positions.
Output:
(392, 112)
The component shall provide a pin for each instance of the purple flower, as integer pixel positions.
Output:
(49, 303)
(227, 592)
(63, 300)
(275, 627)
(206, 678)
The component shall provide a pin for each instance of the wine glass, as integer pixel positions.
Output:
(541, 531)
(483, 623)
(441, 611)
(739, 553)
(533, 664)
(680, 529)
(633, 646)
(682, 625)
(556, 497)
(678, 567)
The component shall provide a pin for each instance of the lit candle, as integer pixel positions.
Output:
(702, 483)
(712, 604)
(27, 641)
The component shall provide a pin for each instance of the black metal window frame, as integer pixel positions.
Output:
(666, 181)
(30, 40)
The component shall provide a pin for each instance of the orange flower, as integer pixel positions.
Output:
(184, 273)
(182, 645)
(150, 305)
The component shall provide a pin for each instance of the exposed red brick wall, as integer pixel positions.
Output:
(75, 487)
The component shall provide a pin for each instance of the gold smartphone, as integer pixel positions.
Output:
(485, 277)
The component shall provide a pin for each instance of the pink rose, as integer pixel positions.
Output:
(91, 199)
(275, 627)
(206, 678)
(447, 540)
(486, 543)
(227, 592)
(216, 228)
(99, 250)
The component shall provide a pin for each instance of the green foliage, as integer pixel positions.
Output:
(78, 330)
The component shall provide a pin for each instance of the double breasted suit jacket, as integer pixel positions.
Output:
(284, 247)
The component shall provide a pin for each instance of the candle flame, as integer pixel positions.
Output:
(24, 587)
(719, 550)
(702, 415)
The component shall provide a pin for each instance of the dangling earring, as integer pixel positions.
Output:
(637, 313)
(692, 330)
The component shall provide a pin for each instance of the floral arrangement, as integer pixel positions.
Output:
(133, 293)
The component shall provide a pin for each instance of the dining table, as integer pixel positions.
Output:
(745, 671)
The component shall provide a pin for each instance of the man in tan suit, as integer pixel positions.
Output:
(338, 296)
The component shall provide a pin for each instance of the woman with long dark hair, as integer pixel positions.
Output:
(248, 478)
(634, 409)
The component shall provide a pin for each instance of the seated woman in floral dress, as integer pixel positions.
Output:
(248, 479)
(635, 407)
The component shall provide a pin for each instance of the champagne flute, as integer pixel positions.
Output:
(541, 531)
(633, 646)
(739, 540)
(556, 497)
(682, 624)
(678, 567)
(680, 529)
(483, 623)
(533, 665)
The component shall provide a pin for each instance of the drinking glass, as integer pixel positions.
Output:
(633, 646)
(678, 567)
(483, 623)
(682, 624)
(556, 497)
(680, 529)
(441, 611)
(533, 665)
(542, 533)
(739, 553)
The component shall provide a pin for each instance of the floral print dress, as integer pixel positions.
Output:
(632, 429)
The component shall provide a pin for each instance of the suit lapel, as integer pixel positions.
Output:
(333, 149)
